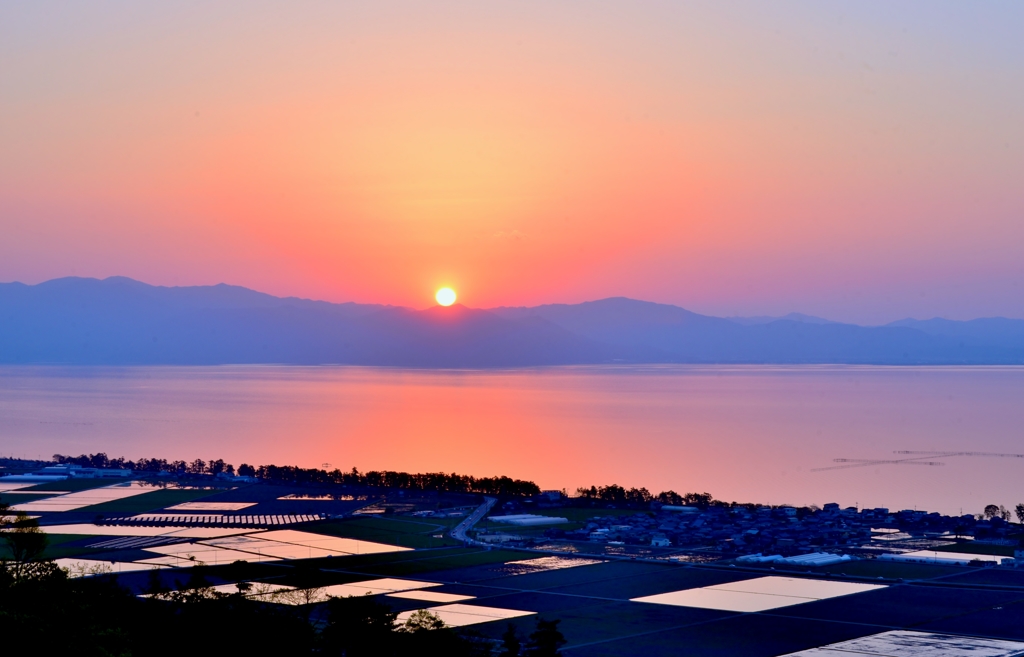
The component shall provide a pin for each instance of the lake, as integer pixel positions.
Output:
(752, 433)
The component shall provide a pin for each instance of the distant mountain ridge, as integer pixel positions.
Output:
(119, 321)
(986, 330)
(794, 317)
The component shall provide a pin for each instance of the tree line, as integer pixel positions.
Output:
(289, 474)
(429, 481)
(999, 511)
(100, 460)
(638, 497)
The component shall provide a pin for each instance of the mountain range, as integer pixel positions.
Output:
(119, 321)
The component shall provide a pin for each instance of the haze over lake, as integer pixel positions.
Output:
(750, 433)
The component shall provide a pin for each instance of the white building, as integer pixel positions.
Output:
(70, 471)
(660, 540)
(528, 520)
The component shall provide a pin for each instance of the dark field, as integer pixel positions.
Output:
(597, 617)
(593, 602)
(158, 499)
(21, 498)
(71, 485)
(403, 531)
(969, 547)
(59, 546)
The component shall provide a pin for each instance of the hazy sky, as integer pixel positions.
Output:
(861, 161)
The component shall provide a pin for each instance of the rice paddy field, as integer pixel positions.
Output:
(601, 609)
(403, 531)
(156, 499)
(605, 605)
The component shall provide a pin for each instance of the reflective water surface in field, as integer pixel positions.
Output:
(741, 433)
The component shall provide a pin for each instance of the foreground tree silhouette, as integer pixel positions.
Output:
(545, 640)
(358, 626)
(510, 644)
(94, 615)
(423, 621)
(23, 538)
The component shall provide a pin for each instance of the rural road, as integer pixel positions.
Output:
(459, 533)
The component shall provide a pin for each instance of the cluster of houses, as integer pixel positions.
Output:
(786, 530)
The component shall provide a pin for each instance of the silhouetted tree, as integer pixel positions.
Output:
(510, 643)
(701, 500)
(155, 586)
(670, 497)
(638, 497)
(423, 621)
(545, 640)
(613, 494)
(358, 626)
(23, 538)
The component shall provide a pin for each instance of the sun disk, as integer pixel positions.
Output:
(445, 296)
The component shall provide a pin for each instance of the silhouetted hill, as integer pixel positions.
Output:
(795, 317)
(996, 331)
(661, 333)
(121, 321)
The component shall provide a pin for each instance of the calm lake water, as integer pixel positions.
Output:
(740, 433)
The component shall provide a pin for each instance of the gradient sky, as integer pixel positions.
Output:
(860, 161)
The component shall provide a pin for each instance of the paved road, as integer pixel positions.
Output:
(459, 533)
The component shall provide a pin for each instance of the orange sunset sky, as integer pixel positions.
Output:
(861, 161)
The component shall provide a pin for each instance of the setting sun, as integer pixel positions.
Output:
(445, 296)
